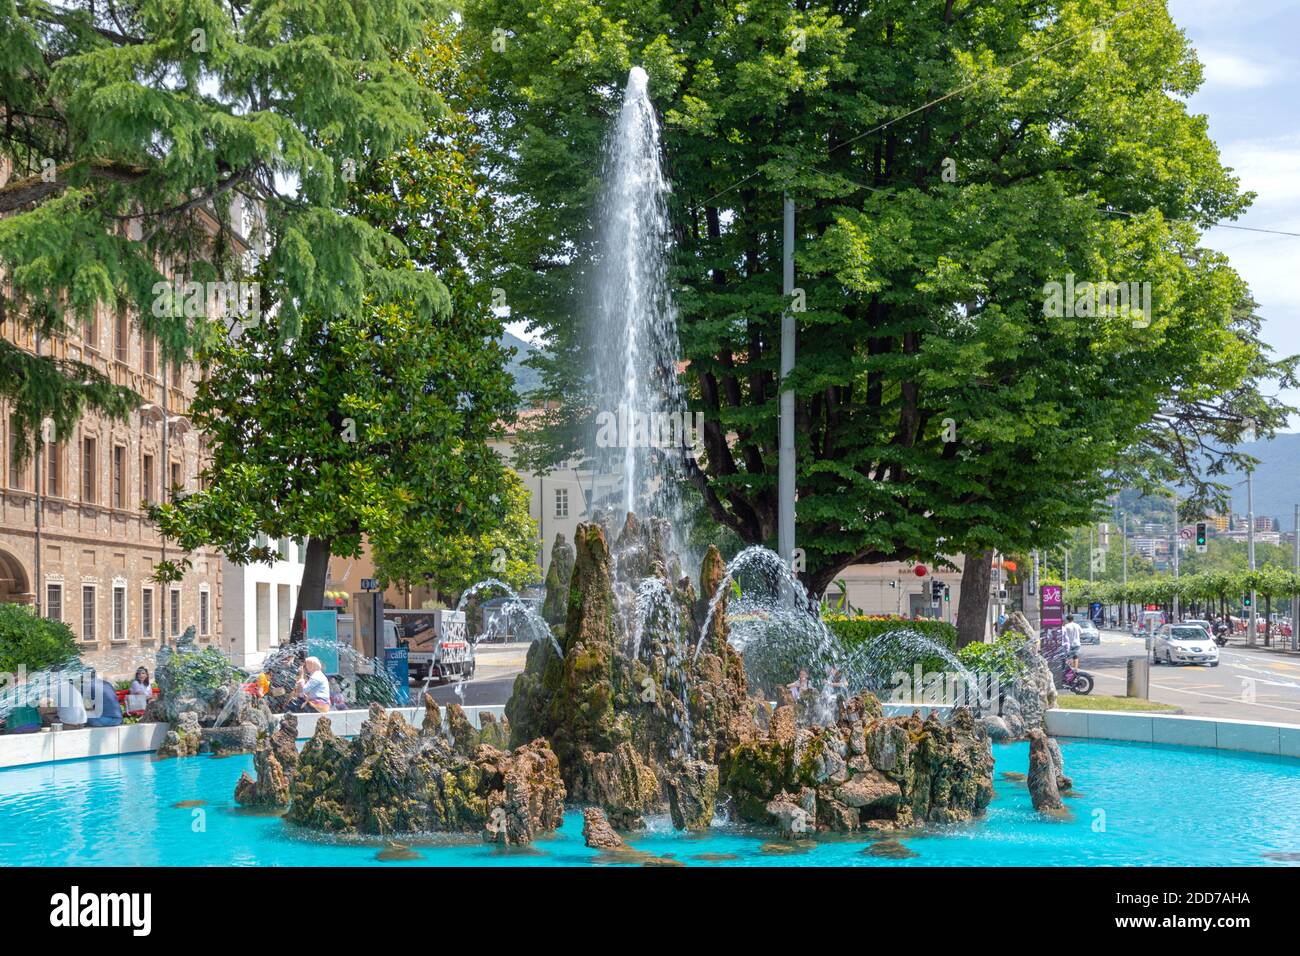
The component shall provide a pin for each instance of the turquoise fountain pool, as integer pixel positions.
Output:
(1137, 804)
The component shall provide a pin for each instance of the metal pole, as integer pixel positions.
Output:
(38, 588)
(1092, 549)
(1295, 598)
(1123, 612)
(164, 593)
(1065, 593)
(785, 464)
(1250, 552)
(1177, 538)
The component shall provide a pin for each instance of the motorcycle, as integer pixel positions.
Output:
(1221, 634)
(1076, 680)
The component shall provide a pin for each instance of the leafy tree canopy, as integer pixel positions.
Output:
(372, 421)
(949, 162)
(147, 136)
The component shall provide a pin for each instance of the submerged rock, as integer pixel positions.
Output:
(909, 771)
(597, 833)
(890, 849)
(1043, 788)
(692, 791)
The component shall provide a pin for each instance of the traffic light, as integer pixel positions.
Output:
(1245, 601)
(936, 590)
(947, 593)
(1200, 537)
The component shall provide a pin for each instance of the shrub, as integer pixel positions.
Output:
(31, 642)
(858, 630)
(1000, 659)
(874, 660)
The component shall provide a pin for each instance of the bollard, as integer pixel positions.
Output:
(1139, 677)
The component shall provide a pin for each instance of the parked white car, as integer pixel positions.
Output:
(1184, 644)
(1088, 633)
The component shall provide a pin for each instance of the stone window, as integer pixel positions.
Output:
(148, 480)
(88, 465)
(119, 476)
(146, 614)
(119, 613)
(88, 613)
(54, 602)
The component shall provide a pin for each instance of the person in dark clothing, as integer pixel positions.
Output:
(104, 705)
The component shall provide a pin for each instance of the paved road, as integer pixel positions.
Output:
(1248, 684)
(493, 681)
(478, 692)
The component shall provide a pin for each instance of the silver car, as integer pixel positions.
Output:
(1184, 644)
(1088, 633)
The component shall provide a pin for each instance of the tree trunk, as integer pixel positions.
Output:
(311, 593)
(973, 609)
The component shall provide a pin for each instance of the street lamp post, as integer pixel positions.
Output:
(1250, 553)
(785, 459)
(1123, 616)
(1295, 598)
(1178, 534)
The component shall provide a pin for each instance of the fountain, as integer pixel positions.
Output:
(641, 428)
(640, 702)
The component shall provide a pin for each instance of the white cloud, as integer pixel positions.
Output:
(1224, 70)
(1270, 167)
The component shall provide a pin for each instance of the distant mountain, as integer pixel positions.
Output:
(1276, 481)
(526, 379)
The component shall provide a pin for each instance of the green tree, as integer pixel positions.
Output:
(371, 421)
(504, 548)
(942, 405)
(32, 643)
(143, 132)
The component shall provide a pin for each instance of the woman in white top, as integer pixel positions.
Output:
(137, 698)
(315, 690)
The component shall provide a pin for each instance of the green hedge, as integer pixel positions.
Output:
(32, 642)
(855, 630)
(876, 665)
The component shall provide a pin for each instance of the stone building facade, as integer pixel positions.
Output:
(74, 537)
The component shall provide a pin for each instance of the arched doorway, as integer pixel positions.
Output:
(15, 583)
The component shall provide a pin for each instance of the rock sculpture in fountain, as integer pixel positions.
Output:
(202, 700)
(394, 779)
(640, 725)
(627, 720)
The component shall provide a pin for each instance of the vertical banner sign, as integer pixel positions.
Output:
(323, 638)
(397, 664)
(1095, 614)
(1051, 617)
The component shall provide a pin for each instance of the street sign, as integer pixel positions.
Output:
(369, 584)
(398, 667)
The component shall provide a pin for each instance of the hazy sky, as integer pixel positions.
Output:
(1252, 68)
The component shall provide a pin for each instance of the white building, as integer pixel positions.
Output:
(259, 603)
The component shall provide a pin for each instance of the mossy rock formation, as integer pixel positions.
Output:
(393, 779)
(624, 726)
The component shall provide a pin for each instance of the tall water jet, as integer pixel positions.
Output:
(643, 430)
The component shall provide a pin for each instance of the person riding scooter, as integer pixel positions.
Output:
(1221, 633)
